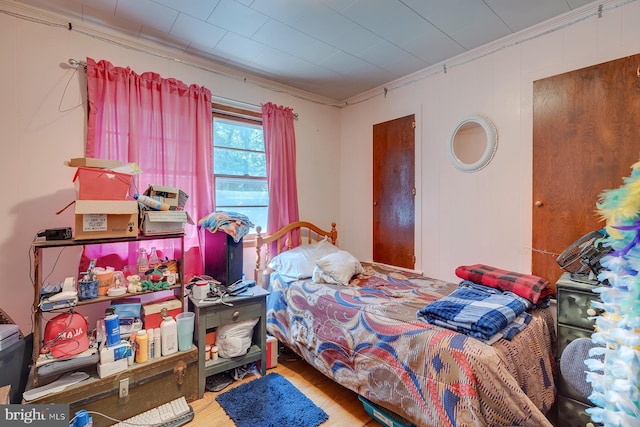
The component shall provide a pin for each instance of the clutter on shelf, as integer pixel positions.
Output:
(107, 204)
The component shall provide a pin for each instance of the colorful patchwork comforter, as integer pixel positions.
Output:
(366, 336)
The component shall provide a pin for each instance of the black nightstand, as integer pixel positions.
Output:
(574, 310)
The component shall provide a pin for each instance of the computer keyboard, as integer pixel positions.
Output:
(171, 414)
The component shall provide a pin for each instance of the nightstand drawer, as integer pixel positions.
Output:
(574, 307)
(566, 334)
(572, 413)
(240, 312)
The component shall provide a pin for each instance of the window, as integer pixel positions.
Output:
(239, 166)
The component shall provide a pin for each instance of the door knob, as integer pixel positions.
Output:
(539, 203)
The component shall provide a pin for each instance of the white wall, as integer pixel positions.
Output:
(43, 124)
(482, 217)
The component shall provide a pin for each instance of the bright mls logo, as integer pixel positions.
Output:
(34, 415)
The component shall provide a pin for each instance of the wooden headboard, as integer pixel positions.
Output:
(283, 240)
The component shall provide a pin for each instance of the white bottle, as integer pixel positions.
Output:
(169, 333)
(151, 343)
(157, 350)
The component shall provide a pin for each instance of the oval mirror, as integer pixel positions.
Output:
(473, 143)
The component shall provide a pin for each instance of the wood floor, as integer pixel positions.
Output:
(342, 405)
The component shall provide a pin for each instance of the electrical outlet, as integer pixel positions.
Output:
(124, 388)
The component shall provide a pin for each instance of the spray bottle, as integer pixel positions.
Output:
(151, 203)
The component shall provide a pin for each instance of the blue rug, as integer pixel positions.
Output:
(270, 401)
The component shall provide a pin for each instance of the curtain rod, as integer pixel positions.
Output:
(238, 103)
(222, 99)
(76, 63)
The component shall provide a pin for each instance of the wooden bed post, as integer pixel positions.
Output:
(259, 241)
(283, 239)
(333, 234)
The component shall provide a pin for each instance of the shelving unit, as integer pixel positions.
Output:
(39, 248)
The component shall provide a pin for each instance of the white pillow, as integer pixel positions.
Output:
(299, 262)
(338, 267)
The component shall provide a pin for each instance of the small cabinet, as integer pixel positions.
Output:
(210, 315)
(575, 320)
(174, 247)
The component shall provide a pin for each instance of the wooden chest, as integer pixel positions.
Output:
(151, 384)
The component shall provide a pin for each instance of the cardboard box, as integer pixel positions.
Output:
(172, 196)
(151, 313)
(112, 368)
(101, 184)
(272, 352)
(94, 163)
(99, 219)
(164, 222)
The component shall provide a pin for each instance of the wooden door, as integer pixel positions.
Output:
(586, 136)
(394, 192)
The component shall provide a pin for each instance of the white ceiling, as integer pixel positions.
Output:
(332, 48)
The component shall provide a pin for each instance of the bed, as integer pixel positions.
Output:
(365, 335)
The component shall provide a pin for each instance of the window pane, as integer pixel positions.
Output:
(237, 162)
(239, 168)
(241, 192)
(245, 136)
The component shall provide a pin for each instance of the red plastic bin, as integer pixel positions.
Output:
(101, 184)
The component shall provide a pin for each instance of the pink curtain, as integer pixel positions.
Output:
(162, 125)
(280, 151)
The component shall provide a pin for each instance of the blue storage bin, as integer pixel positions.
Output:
(383, 415)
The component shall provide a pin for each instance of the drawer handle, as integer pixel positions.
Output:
(591, 312)
(235, 315)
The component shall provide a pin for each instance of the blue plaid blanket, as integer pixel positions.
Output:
(479, 311)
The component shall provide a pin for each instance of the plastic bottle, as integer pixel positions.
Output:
(150, 202)
(150, 343)
(134, 348)
(143, 263)
(157, 349)
(214, 352)
(112, 327)
(154, 261)
(169, 333)
(142, 343)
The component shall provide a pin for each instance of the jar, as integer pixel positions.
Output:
(207, 352)
(214, 352)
